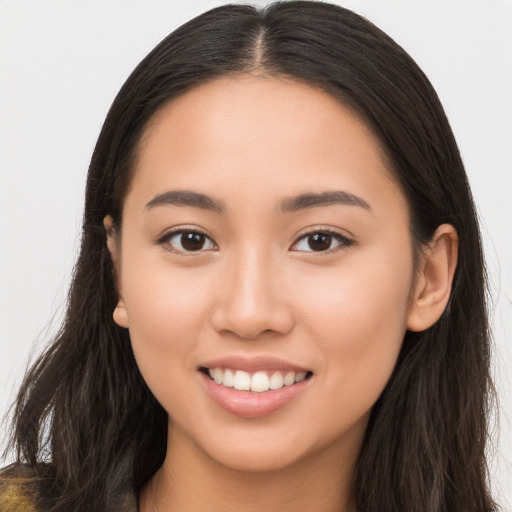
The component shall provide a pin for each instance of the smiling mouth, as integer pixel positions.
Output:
(257, 382)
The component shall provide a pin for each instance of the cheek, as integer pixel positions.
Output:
(358, 317)
(369, 290)
(164, 310)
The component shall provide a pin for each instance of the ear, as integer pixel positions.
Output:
(434, 278)
(120, 314)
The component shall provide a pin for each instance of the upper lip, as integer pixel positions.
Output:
(254, 364)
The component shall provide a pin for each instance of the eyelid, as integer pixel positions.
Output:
(344, 240)
(163, 239)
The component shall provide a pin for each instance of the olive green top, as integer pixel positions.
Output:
(20, 491)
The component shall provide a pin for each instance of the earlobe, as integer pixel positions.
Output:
(120, 314)
(434, 280)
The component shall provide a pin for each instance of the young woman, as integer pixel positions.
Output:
(279, 298)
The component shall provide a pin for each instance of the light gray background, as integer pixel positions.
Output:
(62, 62)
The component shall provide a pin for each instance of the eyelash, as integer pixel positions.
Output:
(343, 241)
(165, 240)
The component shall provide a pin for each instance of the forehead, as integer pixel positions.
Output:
(259, 134)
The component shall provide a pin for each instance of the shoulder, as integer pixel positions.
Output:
(19, 485)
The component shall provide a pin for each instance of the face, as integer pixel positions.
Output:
(265, 268)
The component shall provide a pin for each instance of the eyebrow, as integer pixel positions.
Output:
(314, 200)
(289, 205)
(187, 198)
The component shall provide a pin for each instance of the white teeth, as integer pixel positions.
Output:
(298, 378)
(289, 379)
(218, 375)
(258, 382)
(229, 379)
(242, 381)
(276, 381)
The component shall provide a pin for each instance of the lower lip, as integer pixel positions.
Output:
(249, 404)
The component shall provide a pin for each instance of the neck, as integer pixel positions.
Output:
(190, 480)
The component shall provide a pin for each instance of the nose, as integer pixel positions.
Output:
(253, 299)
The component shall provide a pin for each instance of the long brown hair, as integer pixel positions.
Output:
(84, 408)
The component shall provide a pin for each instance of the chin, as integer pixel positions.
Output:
(255, 460)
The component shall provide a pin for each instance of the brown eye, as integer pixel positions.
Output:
(321, 241)
(190, 241)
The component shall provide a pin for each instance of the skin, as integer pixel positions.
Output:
(257, 289)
